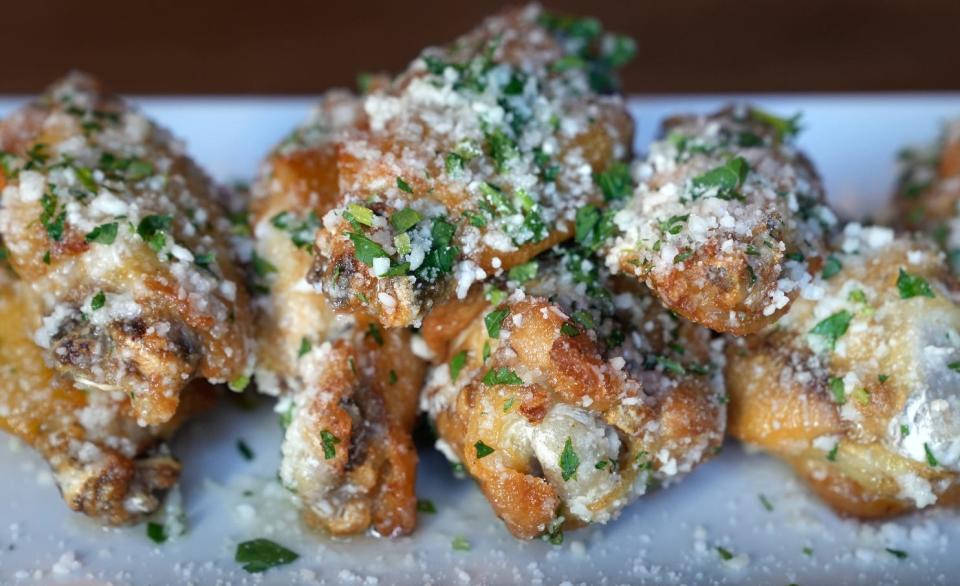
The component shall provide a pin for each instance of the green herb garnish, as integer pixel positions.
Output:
(569, 461)
(260, 555)
(330, 442)
(913, 286)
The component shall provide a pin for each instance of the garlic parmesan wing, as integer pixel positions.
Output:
(857, 385)
(123, 242)
(295, 187)
(573, 395)
(928, 194)
(727, 220)
(348, 450)
(348, 391)
(105, 464)
(473, 161)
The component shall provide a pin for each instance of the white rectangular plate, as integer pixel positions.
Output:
(669, 536)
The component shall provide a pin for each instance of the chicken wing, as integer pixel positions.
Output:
(571, 395)
(348, 390)
(123, 242)
(856, 386)
(726, 220)
(473, 161)
(105, 464)
(929, 191)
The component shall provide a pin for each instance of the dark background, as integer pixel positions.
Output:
(286, 46)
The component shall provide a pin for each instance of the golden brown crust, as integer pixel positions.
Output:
(494, 169)
(348, 452)
(125, 240)
(105, 464)
(351, 388)
(727, 220)
(867, 415)
(567, 421)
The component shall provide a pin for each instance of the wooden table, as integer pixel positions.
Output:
(287, 46)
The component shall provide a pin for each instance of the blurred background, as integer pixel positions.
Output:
(304, 47)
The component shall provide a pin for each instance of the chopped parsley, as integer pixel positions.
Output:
(366, 249)
(593, 227)
(831, 267)
(913, 286)
(765, 502)
(53, 222)
(725, 554)
(931, 459)
(494, 320)
(261, 266)
(98, 301)
(904, 430)
(103, 234)
(833, 327)
(832, 454)
(305, 347)
(374, 332)
(836, 388)
(244, 450)
(330, 442)
(260, 555)
(442, 254)
(157, 532)
(426, 506)
(501, 376)
(153, 230)
(883, 378)
(238, 384)
(405, 219)
(569, 461)
(524, 272)
(460, 543)
(403, 185)
(508, 404)
(501, 149)
(359, 214)
(457, 363)
(392, 377)
(897, 553)
(784, 127)
(568, 329)
(616, 182)
(483, 450)
(723, 182)
(673, 224)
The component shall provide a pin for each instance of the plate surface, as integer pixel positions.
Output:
(667, 537)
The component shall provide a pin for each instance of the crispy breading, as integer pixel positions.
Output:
(573, 395)
(105, 464)
(727, 220)
(123, 240)
(472, 161)
(348, 391)
(856, 386)
(348, 452)
(928, 191)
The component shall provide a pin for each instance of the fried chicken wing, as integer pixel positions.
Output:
(929, 191)
(857, 385)
(726, 220)
(122, 239)
(348, 391)
(105, 464)
(473, 161)
(573, 395)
